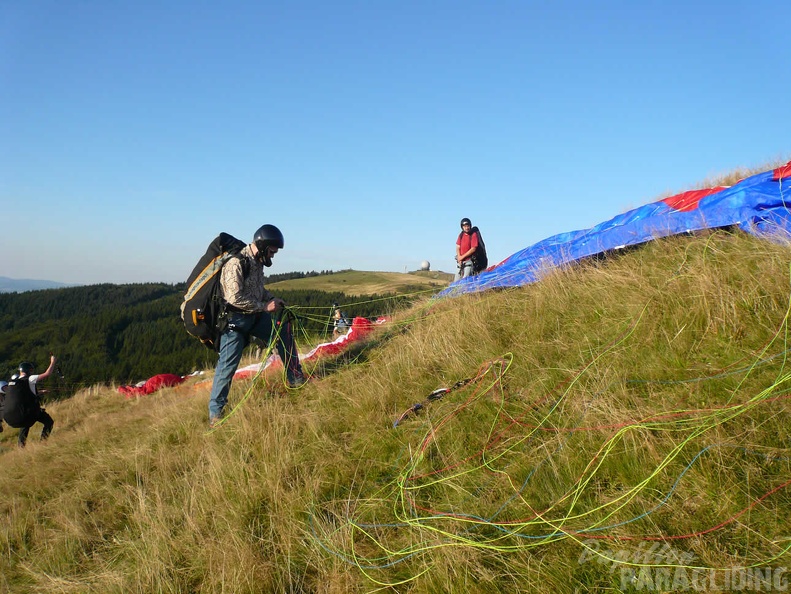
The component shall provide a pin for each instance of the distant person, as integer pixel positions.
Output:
(250, 309)
(22, 405)
(466, 244)
(341, 325)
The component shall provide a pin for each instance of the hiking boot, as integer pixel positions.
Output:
(297, 380)
(214, 422)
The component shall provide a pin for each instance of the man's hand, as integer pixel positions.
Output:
(274, 305)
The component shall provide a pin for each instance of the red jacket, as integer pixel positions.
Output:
(467, 241)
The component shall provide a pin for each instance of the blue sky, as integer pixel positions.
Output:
(131, 133)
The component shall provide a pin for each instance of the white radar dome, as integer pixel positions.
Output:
(425, 265)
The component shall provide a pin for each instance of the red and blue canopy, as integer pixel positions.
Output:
(760, 204)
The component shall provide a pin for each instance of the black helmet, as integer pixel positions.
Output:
(267, 236)
(26, 367)
(464, 221)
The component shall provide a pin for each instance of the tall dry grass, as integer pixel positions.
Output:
(618, 401)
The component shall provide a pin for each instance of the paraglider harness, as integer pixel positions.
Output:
(480, 261)
(20, 404)
(204, 311)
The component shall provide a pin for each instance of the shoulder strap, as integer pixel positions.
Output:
(245, 266)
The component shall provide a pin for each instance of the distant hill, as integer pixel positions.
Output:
(20, 285)
(349, 282)
(125, 333)
(358, 282)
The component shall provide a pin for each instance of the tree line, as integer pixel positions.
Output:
(127, 333)
(284, 276)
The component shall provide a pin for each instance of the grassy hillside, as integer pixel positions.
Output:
(624, 425)
(127, 333)
(358, 282)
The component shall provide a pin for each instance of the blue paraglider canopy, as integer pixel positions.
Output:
(758, 204)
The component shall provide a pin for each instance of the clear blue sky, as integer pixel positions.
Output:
(131, 133)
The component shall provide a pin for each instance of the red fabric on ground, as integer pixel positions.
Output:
(163, 380)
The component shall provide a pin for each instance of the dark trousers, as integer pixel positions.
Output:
(40, 417)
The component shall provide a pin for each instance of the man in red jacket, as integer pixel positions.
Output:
(466, 245)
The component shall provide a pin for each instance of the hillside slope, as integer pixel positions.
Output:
(622, 423)
(127, 333)
(360, 282)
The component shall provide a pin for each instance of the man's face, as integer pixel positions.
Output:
(271, 251)
(466, 228)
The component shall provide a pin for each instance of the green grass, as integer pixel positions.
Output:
(359, 282)
(615, 403)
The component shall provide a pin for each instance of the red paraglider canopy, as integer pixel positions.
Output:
(360, 328)
(163, 380)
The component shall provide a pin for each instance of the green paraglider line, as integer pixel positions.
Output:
(287, 314)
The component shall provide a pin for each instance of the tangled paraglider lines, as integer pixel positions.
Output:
(538, 472)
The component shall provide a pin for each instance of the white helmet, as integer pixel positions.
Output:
(3, 386)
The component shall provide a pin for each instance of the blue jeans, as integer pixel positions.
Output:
(241, 327)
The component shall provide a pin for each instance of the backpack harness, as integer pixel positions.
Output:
(204, 311)
(20, 404)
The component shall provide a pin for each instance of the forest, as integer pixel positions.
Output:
(122, 334)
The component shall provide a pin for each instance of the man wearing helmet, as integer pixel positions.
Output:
(466, 244)
(22, 405)
(249, 309)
